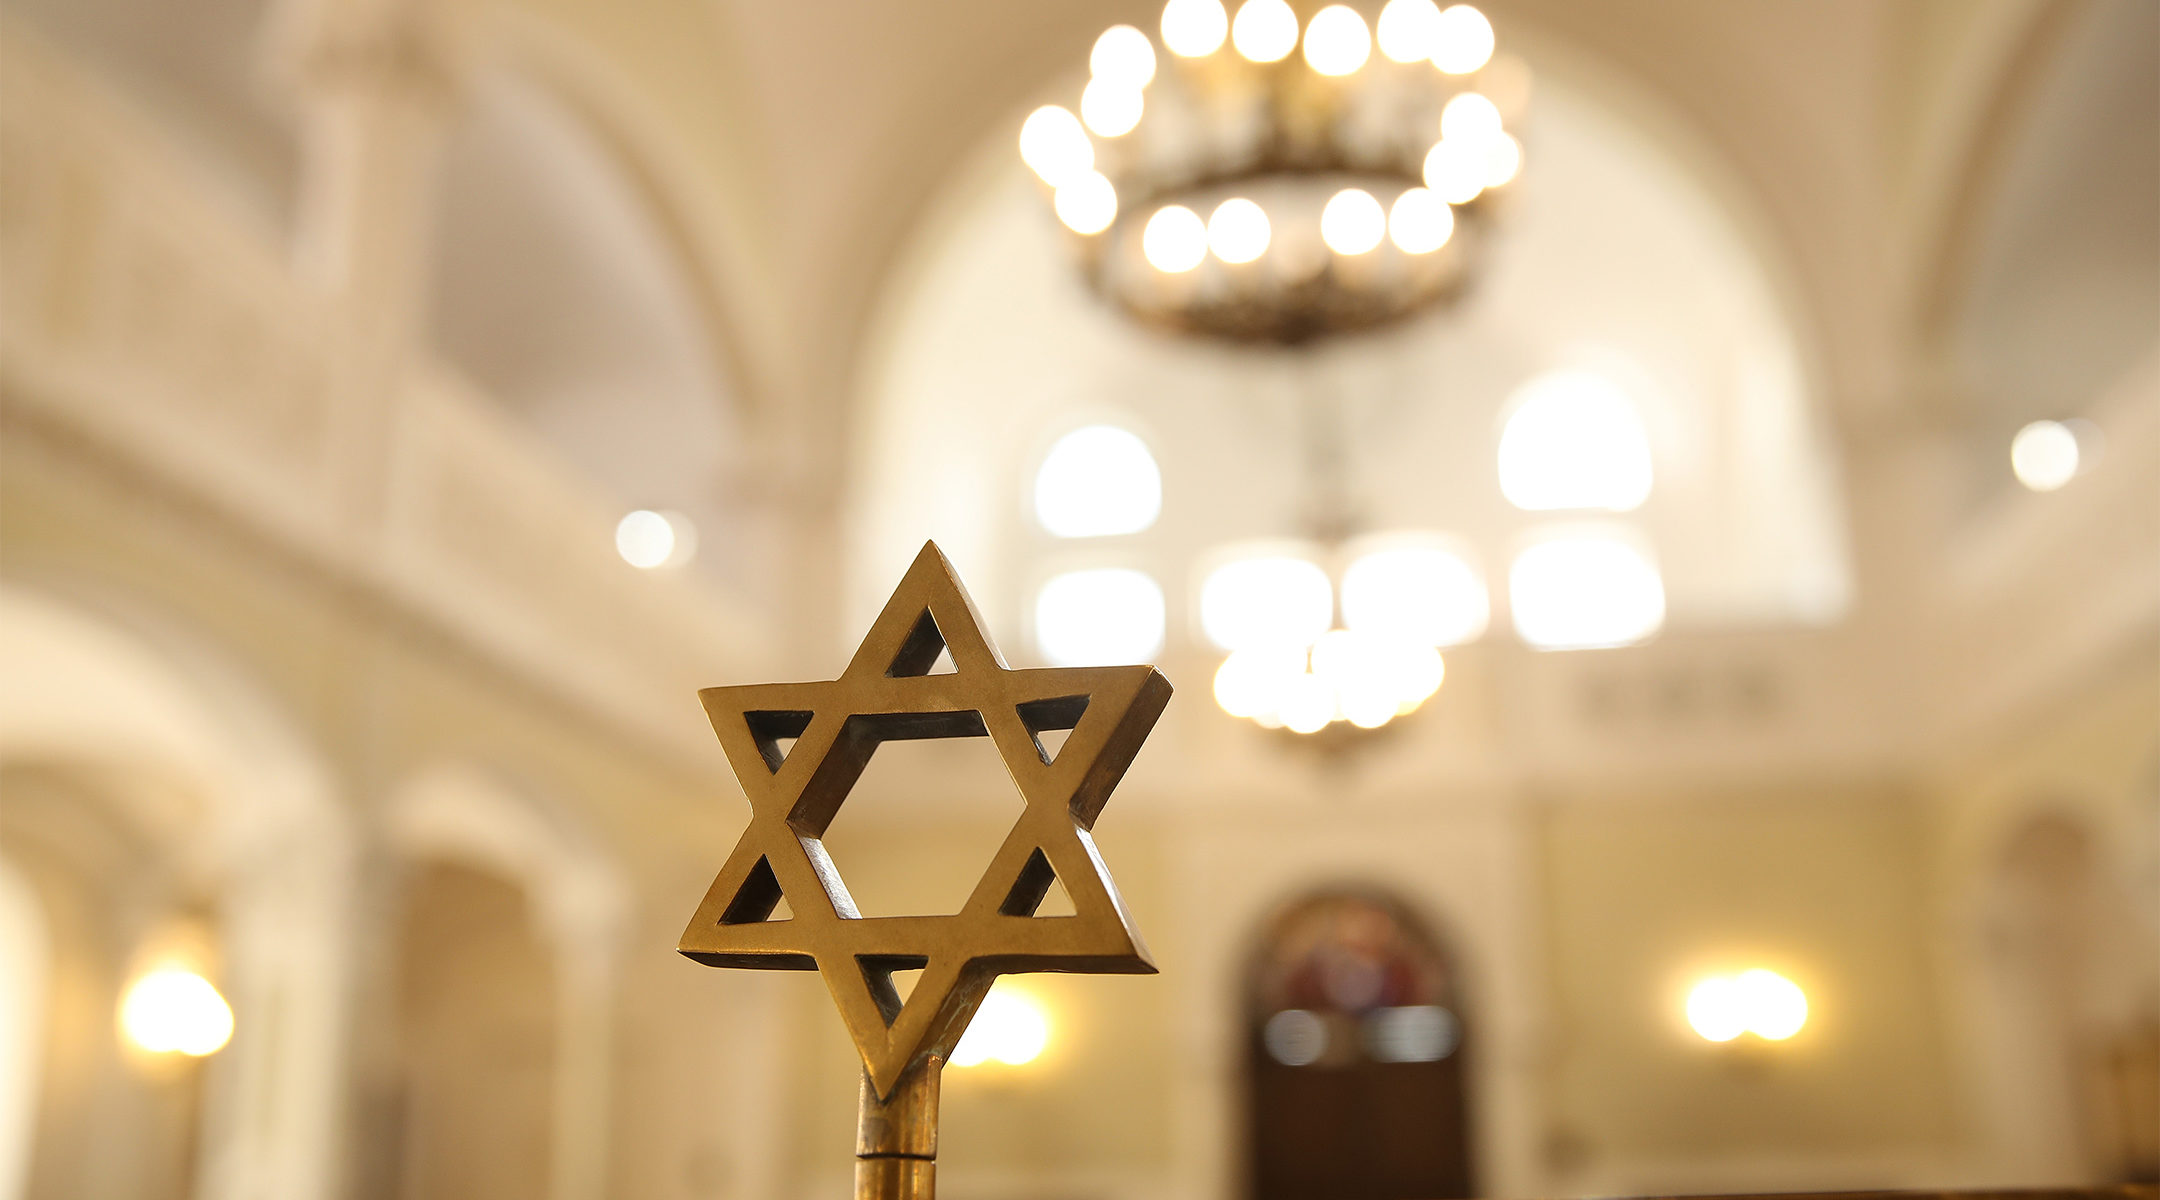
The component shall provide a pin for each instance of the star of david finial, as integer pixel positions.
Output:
(888, 693)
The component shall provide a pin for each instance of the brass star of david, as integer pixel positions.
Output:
(886, 694)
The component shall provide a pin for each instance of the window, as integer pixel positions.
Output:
(1581, 591)
(1574, 440)
(1099, 617)
(1098, 481)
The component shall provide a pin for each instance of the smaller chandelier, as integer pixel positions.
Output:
(1307, 651)
(1236, 189)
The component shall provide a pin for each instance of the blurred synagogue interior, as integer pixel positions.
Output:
(1651, 509)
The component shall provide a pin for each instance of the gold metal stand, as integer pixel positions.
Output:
(896, 1139)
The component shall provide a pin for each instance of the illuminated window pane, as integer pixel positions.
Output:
(1266, 601)
(1574, 440)
(1098, 481)
(1422, 594)
(1101, 617)
(1585, 591)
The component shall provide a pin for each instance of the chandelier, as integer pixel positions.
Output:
(1232, 187)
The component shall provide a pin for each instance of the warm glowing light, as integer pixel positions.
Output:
(1238, 232)
(1408, 29)
(1462, 40)
(1352, 222)
(1503, 159)
(1757, 1001)
(648, 539)
(1175, 239)
(1469, 117)
(1054, 146)
(1110, 109)
(1417, 594)
(1123, 57)
(1714, 1011)
(2045, 455)
(1098, 481)
(1421, 222)
(1336, 41)
(1372, 679)
(1100, 617)
(1088, 204)
(1574, 440)
(1265, 31)
(173, 1010)
(1585, 591)
(1266, 601)
(1308, 704)
(1010, 1028)
(1194, 28)
(1252, 682)
(1455, 171)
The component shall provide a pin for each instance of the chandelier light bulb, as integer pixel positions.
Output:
(1469, 117)
(2045, 455)
(1337, 42)
(1421, 222)
(1265, 30)
(1503, 160)
(1308, 704)
(174, 1010)
(1462, 40)
(1407, 29)
(1455, 171)
(1110, 108)
(1123, 56)
(1175, 239)
(1352, 223)
(1054, 146)
(1238, 231)
(1194, 28)
(1088, 204)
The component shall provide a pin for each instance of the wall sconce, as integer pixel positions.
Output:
(1758, 1001)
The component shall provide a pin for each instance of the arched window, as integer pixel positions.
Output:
(1098, 481)
(1356, 1086)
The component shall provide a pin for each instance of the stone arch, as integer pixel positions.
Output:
(244, 810)
(465, 816)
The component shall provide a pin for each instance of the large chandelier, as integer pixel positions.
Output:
(1237, 188)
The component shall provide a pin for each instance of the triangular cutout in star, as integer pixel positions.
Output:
(1051, 722)
(890, 691)
(776, 732)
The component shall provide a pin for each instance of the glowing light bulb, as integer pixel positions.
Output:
(1469, 117)
(2044, 455)
(1503, 160)
(1238, 231)
(1088, 204)
(1455, 171)
(1775, 1006)
(1123, 57)
(1175, 239)
(1010, 1027)
(1251, 682)
(646, 539)
(1715, 1012)
(1462, 40)
(1194, 28)
(1408, 29)
(1420, 222)
(172, 1010)
(1352, 222)
(1054, 146)
(1336, 41)
(1265, 31)
(1308, 704)
(1110, 109)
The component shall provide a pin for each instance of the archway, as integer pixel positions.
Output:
(157, 787)
(1355, 1079)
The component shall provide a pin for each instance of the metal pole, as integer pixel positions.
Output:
(896, 1139)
